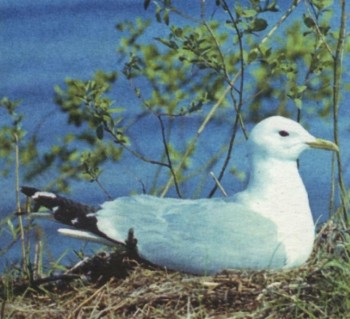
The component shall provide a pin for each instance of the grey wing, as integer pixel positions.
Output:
(202, 236)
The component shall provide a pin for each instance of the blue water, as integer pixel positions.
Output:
(45, 42)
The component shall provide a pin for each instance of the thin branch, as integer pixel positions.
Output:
(219, 184)
(238, 106)
(103, 189)
(167, 153)
(289, 11)
(136, 154)
(228, 156)
(241, 57)
(337, 76)
(218, 48)
(322, 37)
(333, 184)
(181, 14)
(142, 157)
(18, 208)
(199, 132)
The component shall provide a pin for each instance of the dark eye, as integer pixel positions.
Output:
(283, 133)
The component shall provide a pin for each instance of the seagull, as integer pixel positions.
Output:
(269, 225)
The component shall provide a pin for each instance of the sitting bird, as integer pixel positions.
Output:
(269, 225)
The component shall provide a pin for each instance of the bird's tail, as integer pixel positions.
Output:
(66, 211)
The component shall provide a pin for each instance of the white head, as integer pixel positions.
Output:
(283, 139)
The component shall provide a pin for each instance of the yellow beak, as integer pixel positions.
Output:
(323, 144)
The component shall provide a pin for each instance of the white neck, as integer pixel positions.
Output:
(277, 192)
(275, 184)
(274, 173)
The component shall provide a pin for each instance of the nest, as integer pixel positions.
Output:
(114, 286)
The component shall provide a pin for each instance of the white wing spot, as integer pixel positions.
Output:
(43, 194)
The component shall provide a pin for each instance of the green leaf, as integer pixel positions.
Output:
(300, 89)
(298, 103)
(249, 13)
(177, 31)
(12, 229)
(253, 54)
(309, 22)
(116, 110)
(321, 4)
(166, 17)
(99, 132)
(170, 44)
(259, 25)
(158, 17)
(273, 7)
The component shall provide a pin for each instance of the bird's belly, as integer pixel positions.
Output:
(297, 235)
(298, 244)
(296, 230)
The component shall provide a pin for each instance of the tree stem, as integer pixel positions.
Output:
(337, 77)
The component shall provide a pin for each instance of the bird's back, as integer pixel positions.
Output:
(200, 236)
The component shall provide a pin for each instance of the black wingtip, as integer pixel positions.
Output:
(29, 191)
(69, 212)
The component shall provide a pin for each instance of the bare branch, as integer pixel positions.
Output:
(337, 77)
(170, 165)
(200, 130)
(289, 11)
(219, 184)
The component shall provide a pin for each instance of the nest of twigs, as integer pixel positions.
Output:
(113, 286)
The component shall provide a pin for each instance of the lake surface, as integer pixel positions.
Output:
(45, 42)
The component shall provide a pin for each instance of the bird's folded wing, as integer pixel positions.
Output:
(193, 235)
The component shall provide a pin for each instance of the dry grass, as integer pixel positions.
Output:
(319, 289)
